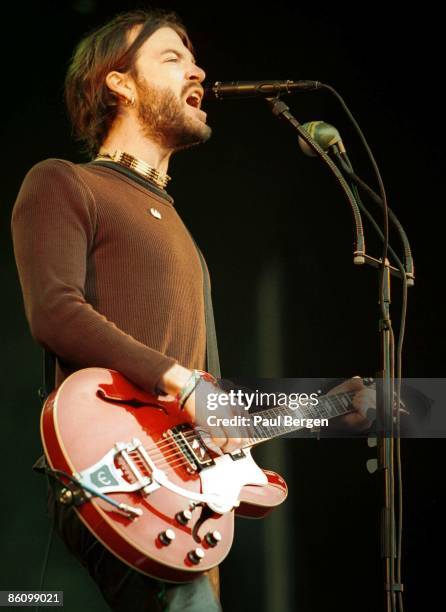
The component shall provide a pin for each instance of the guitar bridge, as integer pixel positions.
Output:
(126, 468)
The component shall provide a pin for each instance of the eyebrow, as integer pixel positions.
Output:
(182, 55)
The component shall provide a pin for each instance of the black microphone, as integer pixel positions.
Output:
(253, 89)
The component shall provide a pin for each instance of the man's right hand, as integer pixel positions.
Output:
(173, 381)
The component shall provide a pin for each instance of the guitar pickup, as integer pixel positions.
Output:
(191, 445)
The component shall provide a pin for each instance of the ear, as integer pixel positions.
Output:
(120, 85)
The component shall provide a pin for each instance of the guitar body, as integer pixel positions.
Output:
(177, 496)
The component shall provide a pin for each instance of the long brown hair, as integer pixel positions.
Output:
(91, 106)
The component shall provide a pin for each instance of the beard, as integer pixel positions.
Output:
(163, 118)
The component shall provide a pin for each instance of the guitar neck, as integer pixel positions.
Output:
(281, 420)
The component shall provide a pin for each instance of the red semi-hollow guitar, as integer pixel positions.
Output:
(145, 483)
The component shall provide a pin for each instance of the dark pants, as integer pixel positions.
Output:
(123, 588)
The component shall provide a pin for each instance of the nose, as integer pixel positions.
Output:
(196, 73)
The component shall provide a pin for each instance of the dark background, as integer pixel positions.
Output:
(288, 301)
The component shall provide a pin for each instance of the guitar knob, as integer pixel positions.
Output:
(166, 537)
(213, 538)
(196, 555)
(183, 517)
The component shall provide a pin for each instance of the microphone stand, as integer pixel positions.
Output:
(408, 276)
(392, 586)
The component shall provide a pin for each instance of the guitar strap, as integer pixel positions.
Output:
(212, 358)
(49, 375)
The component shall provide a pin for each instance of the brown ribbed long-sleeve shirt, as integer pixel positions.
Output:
(105, 282)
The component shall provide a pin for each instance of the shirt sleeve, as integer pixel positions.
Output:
(53, 228)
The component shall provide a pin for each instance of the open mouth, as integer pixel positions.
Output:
(194, 99)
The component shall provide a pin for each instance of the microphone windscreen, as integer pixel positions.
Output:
(324, 134)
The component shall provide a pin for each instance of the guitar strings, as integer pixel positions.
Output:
(176, 458)
(163, 447)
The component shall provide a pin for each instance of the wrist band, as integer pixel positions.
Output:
(186, 391)
(191, 384)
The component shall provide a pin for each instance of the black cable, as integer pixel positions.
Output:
(398, 440)
(45, 559)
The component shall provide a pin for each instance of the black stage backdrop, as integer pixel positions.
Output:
(277, 236)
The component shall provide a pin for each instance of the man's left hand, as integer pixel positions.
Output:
(363, 400)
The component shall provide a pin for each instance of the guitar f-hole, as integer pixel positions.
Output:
(206, 514)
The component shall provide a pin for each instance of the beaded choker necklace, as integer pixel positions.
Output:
(139, 166)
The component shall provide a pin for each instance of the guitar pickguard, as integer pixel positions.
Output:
(227, 477)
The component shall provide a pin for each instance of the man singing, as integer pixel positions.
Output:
(110, 275)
